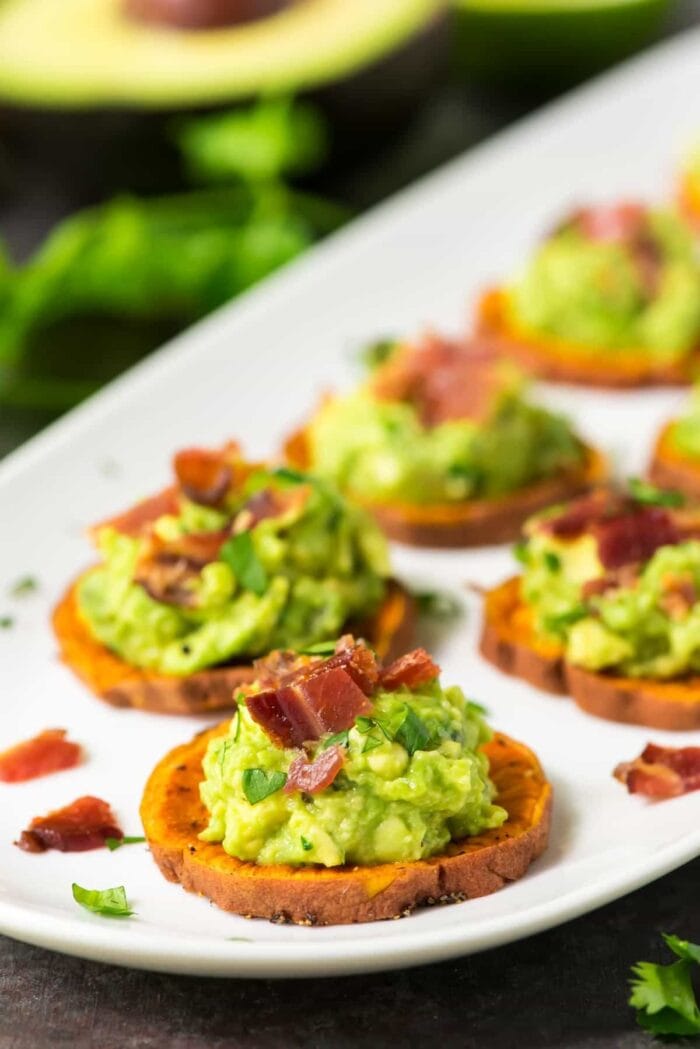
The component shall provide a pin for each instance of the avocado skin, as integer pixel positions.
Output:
(525, 47)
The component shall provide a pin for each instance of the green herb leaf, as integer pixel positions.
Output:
(225, 747)
(111, 903)
(116, 843)
(648, 494)
(239, 554)
(552, 561)
(413, 734)
(6, 622)
(259, 784)
(438, 605)
(322, 648)
(378, 352)
(287, 473)
(306, 845)
(555, 624)
(521, 553)
(372, 741)
(339, 739)
(477, 708)
(663, 995)
(26, 585)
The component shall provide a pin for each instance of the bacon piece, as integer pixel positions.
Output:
(611, 223)
(324, 700)
(314, 776)
(443, 379)
(136, 520)
(577, 516)
(679, 594)
(270, 502)
(635, 536)
(167, 568)
(414, 669)
(661, 772)
(48, 752)
(624, 577)
(203, 474)
(84, 824)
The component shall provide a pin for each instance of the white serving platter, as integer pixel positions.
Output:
(252, 371)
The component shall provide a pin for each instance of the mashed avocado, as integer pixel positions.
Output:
(386, 804)
(593, 293)
(380, 451)
(685, 433)
(289, 581)
(635, 628)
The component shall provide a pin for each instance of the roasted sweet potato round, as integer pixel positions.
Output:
(473, 522)
(173, 815)
(390, 631)
(560, 361)
(669, 468)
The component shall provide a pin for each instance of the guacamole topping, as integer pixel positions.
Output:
(619, 279)
(640, 617)
(438, 423)
(279, 560)
(411, 780)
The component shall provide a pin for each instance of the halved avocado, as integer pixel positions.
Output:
(89, 53)
(533, 42)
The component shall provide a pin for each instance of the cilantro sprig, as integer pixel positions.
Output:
(648, 494)
(411, 732)
(259, 784)
(240, 555)
(110, 903)
(116, 843)
(663, 995)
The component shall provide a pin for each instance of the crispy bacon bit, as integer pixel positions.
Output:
(316, 697)
(679, 594)
(662, 772)
(48, 752)
(625, 577)
(84, 824)
(314, 776)
(135, 521)
(626, 531)
(203, 474)
(270, 502)
(414, 669)
(443, 379)
(168, 568)
(611, 223)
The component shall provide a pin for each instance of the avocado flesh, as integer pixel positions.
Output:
(81, 53)
(554, 41)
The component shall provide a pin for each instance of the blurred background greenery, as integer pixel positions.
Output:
(128, 210)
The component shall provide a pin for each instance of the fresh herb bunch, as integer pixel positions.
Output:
(166, 259)
(663, 995)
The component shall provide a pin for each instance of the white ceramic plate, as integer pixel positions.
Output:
(253, 371)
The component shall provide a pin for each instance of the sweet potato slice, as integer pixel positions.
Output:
(689, 200)
(560, 361)
(173, 815)
(509, 642)
(473, 522)
(670, 468)
(390, 631)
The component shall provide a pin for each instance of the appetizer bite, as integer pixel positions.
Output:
(610, 298)
(689, 188)
(345, 790)
(675, 460)
(607, 608)
(442, 444)
(235, 559)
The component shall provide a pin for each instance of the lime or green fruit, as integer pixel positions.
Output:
(86, 52)
(539, 41)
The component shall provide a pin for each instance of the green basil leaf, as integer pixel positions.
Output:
(112, 903)
(259, 784)
(413, 734)
(239, 554)
(116, 843)
(649, 495)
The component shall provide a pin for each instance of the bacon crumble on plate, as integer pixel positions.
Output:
(49, 751)
(661, 772)
(85, 824)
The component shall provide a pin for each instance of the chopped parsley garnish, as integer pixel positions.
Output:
(372, 741)
(650, 495)
(287, 473)
(476, 708)
(26, 585)
(306, 845)
(226, 746)
(6, 622)
(116, 843)
(112, 903)
(438, 605)
(338, 739)
(520, 552)
(413, 734)
(322, 648)
(259, 784)
(554, 624)
(552, 561)
(239, 554)
(378, 352)
(663, 995)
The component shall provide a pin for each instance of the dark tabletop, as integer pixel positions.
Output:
(564, 988)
